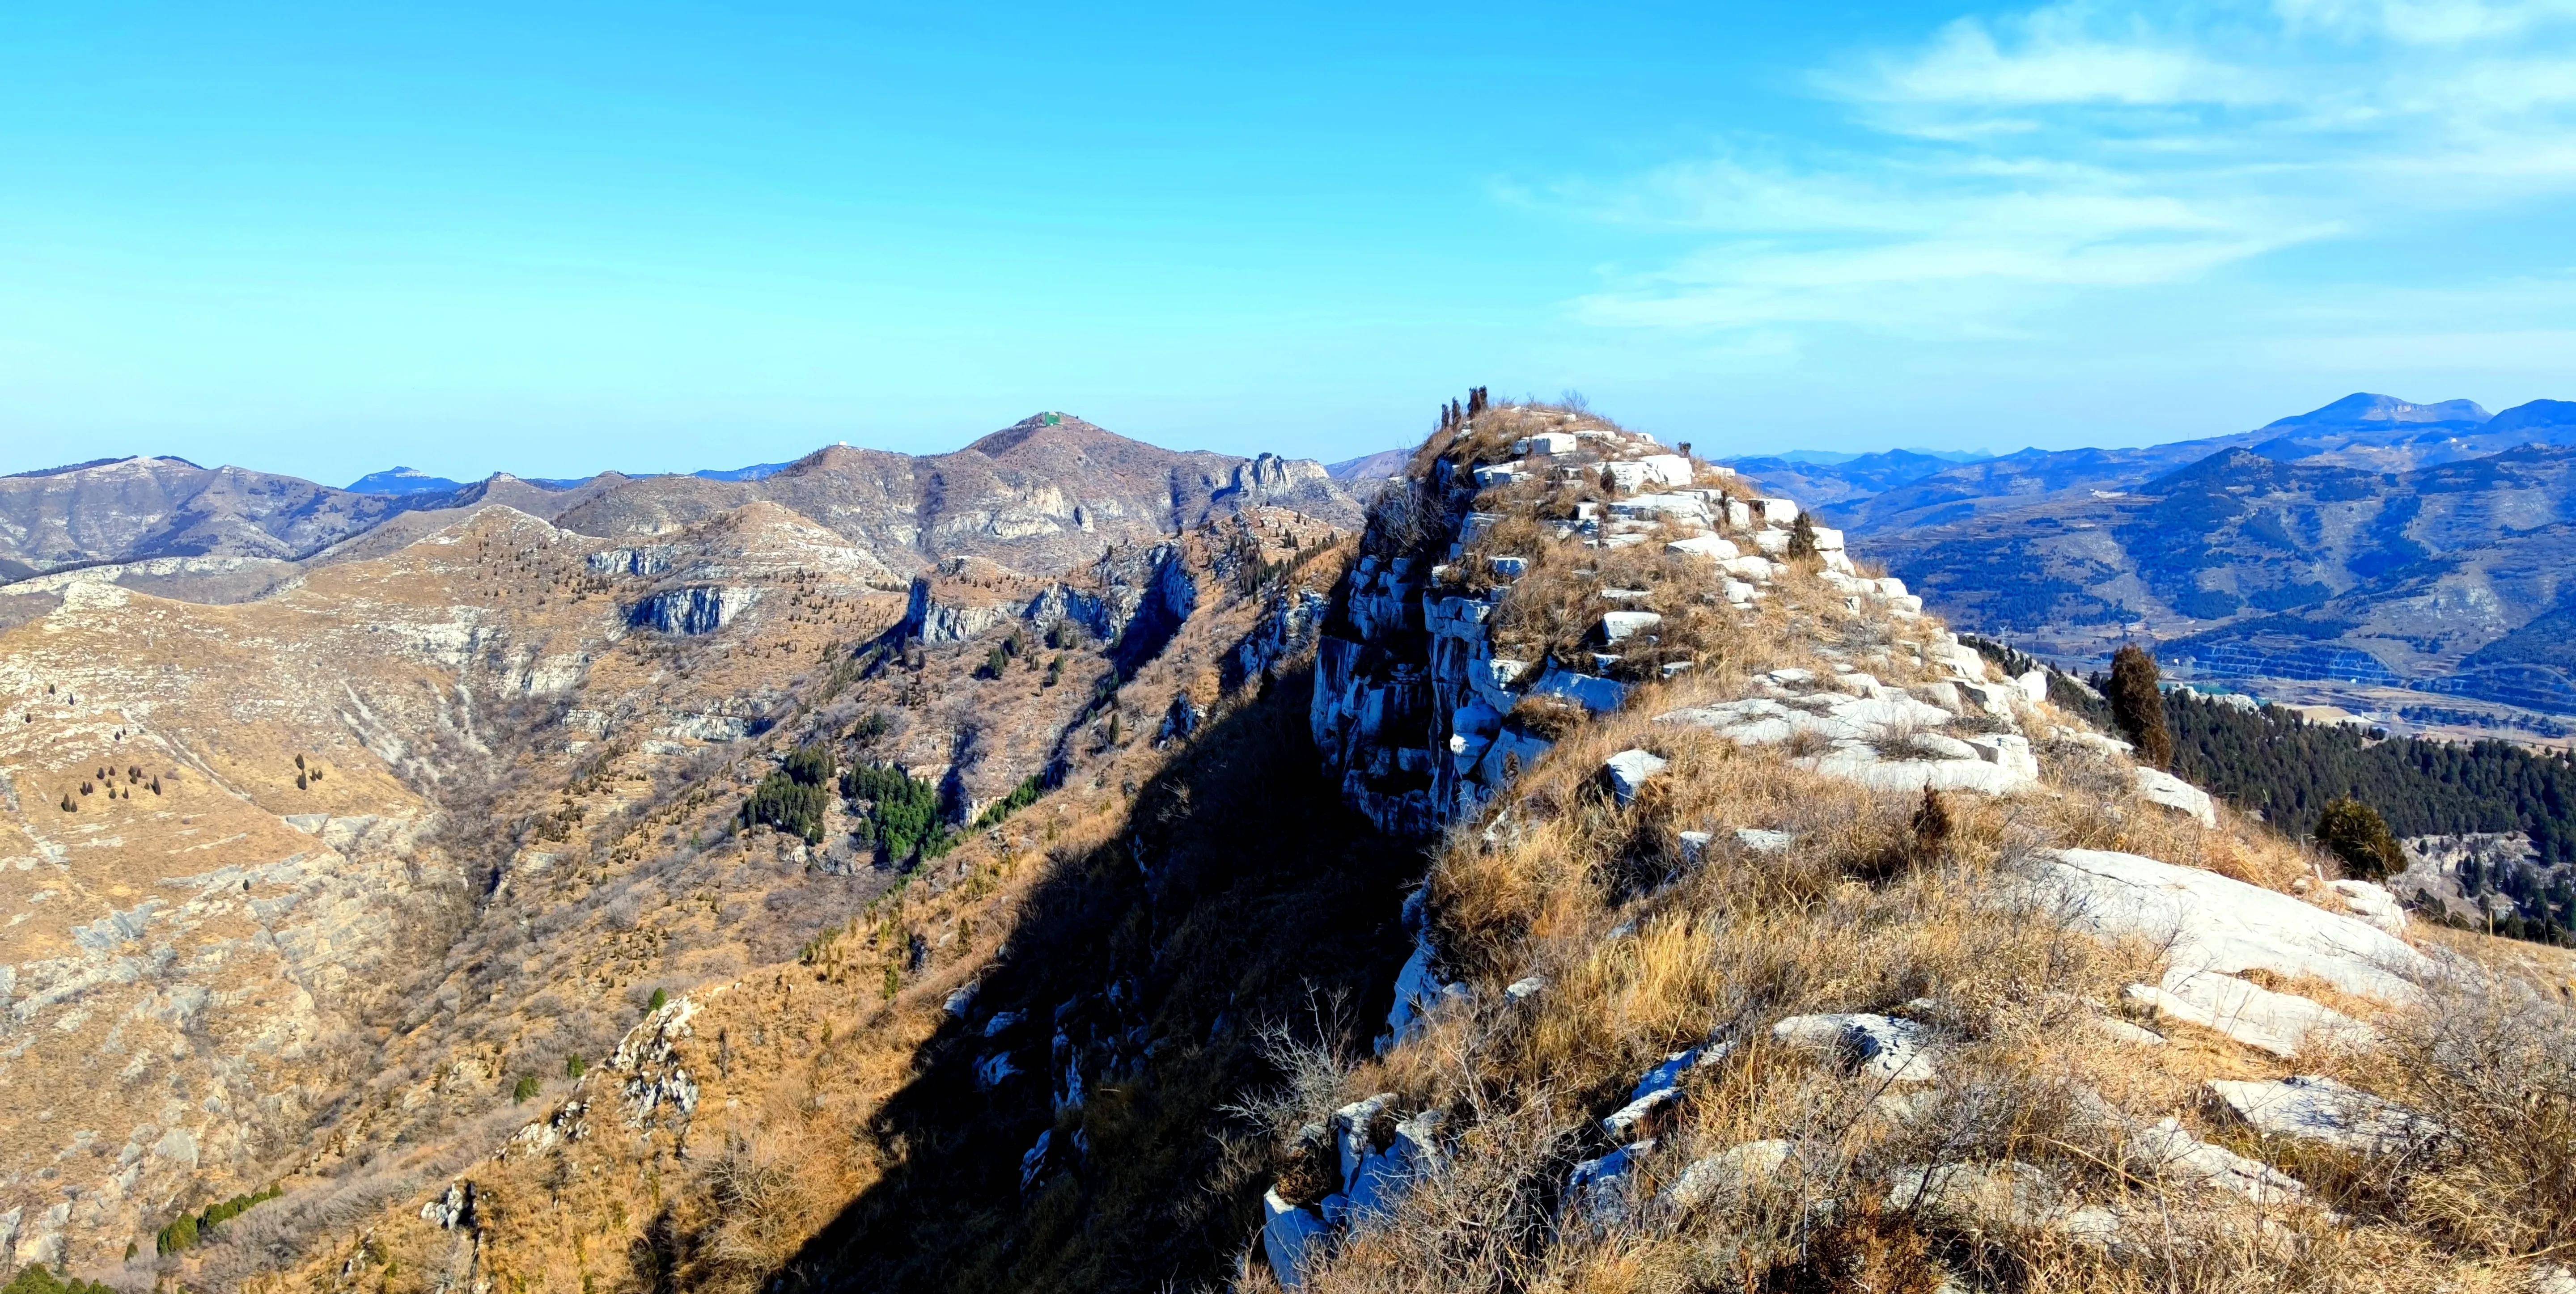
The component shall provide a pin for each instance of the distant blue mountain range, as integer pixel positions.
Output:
(403, 482)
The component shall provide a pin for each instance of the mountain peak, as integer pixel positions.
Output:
(1031, 427)
(2363, 407)
(401, 481)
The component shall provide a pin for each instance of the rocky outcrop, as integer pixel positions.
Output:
(702, 609)
(1132, 597)
(656, 1087)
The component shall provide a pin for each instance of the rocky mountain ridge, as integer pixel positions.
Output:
(1044, 494)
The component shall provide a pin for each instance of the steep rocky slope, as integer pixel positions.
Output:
(1823, 958)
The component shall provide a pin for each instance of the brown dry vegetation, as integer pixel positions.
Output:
(838, 1108)
(1645, 956)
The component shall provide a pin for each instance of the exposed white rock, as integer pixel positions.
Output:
(2007, 1196)
(1603, 1190)
(1629, 771)
(2008, 751)
(2165, 1149)
(993, 1069)
(1598, 695)
(2157, 786)
(1761, 841)
(649, 1054)
(451, 1209)
(1373, 1176)
(2280, 1023)
(2211, 923)
(1860, 762)
(2033, 684)
(1620, 626)
(1706, 547)
(1417, 990)
(2087, 737)
(1525, 988)
(2119, 1030)
(1728, 1172)
(1659, 1088)
(2315, 1108)
(1761, 721)
(960, 1002)
(1288, 1235)
(1034, 1162)
(2372, 903)
(1882, 1047)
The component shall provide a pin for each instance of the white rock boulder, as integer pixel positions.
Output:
(2157, 786)
(2209, 922)
(1885, 1048)
(1629, 770)
(2314, 1108)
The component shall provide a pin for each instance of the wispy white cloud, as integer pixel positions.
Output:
(2027, 160)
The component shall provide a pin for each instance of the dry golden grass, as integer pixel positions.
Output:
(1645, 955)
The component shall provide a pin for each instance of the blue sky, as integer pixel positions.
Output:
(660, 237)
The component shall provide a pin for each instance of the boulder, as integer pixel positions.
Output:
(2372, 903)
(2033, 685)
(1628, 772)
(1033, 1164)
(1620, 626)
(1728, 1172)
(1765, 842)
(2164, 1149)
(452, 1209)
(2315, 1108)
(1373, 1177)
(2211, 923)
(2119, 1030)
(2157, 786)
(1289, 1235)
(1661, 1086)
(1417, 990)
(2280, 1023)
(1604, 1189)
(2008, 751)
(1858, 761)
(1885, 1048)
(1598, 695)
(1706, 547)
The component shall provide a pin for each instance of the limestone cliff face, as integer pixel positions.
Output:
(1140, 592)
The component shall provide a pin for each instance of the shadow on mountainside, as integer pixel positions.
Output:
(1240, 892)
